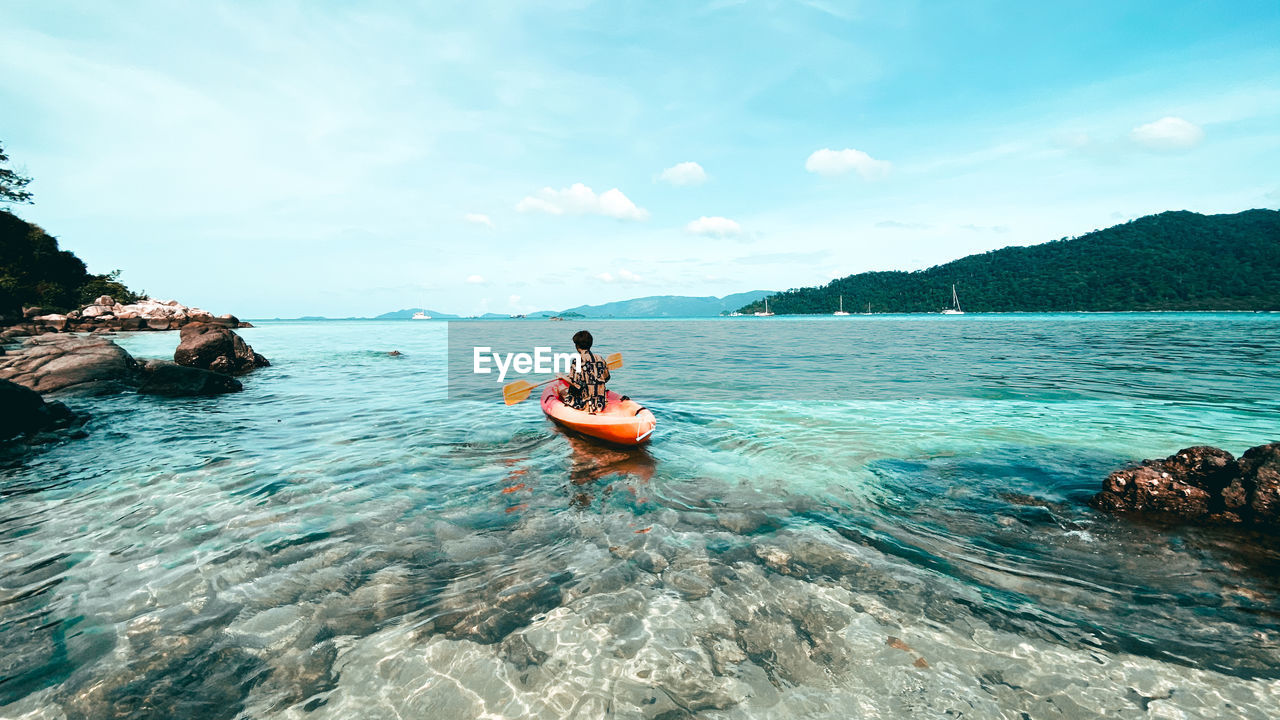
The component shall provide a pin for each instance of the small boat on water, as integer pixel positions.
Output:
(766, 312)
(420, 315)
(622, 422)
(868, 312)
(841, 310)
(955, 304)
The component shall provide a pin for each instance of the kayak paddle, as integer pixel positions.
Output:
(519, 390)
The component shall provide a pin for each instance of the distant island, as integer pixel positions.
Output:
(653, 306)
(408, 313)
(658, 306)
(1171, 261)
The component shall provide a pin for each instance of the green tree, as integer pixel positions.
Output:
(109, 284)
(12, 185)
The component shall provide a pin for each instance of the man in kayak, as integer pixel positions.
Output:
(587, 380)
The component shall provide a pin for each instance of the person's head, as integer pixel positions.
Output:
(582, 340)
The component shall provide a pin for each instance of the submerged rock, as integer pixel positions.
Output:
(173, 380)
(211, 346)
(26, 413)
(1200, 484)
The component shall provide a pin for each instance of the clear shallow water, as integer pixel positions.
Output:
(341, 539)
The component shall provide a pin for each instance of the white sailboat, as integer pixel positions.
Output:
(421, 315)
(955, 304)
(766, 312)
(868, 312)
(841, 310)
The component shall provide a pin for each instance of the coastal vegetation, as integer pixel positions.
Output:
(34, 271)
(1170, 261)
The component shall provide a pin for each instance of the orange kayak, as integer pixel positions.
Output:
(623, 421)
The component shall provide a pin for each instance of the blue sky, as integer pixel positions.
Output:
(289, 158)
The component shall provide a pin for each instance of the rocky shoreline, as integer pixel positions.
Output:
(1200, 485)
(205, 362)
(105, 314)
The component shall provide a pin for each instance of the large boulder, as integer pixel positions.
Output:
(1184, 486)
(173, 380)
(1200, 485)
(70, 364)
(211, 346)
(25, 412)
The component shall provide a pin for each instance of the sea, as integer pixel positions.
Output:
(876, 516)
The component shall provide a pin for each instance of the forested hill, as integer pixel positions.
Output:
(35, 271)
(1171, 261)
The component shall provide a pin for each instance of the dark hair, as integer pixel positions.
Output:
(582, 340)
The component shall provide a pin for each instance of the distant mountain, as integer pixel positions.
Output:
(656, 306)
(1172, 261)
(646, 307)
(408, 313)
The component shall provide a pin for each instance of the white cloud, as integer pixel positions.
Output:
(625, 276)
(475, 279)
(533, 204)
(838, 162)
(714, 226)
(899, 225)
(478, 219)
(578, 199)
(685, 173)
(1169, 134)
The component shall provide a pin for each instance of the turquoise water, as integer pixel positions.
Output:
(900, 531)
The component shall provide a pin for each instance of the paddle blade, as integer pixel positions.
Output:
(614, 361)
(517, 391)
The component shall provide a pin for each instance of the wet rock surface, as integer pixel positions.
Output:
(173, 380)
(70, 364)
(213, 347)
(27, 414)
(1199, 485)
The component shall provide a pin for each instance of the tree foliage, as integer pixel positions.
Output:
(34, 271)
(1171, 261)
(12, 185)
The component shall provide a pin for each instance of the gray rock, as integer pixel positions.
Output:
(25, 412)
(172, 380)
(213, 347)
(71, 364)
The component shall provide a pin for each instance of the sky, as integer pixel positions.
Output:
(279, 159)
